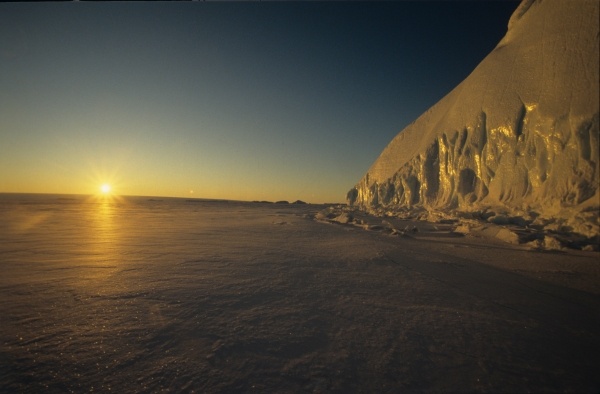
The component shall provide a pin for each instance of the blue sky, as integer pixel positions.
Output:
(250, 101)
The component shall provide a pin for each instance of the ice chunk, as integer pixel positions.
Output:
(344, 218)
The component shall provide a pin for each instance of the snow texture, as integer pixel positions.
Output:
(518, 137)
(149, 295)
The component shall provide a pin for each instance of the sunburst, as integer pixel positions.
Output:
(105, 189)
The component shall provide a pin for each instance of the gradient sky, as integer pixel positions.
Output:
(247, 101)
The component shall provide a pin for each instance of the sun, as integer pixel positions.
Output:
(105, 188)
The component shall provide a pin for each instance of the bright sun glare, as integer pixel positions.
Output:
(105, 188)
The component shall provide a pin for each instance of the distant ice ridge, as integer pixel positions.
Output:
(518, 138)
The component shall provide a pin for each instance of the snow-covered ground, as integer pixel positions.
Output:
(139, 295)
(518, 137)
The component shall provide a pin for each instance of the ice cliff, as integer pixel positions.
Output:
(518, 137)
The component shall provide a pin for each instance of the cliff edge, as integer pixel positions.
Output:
(519, 136)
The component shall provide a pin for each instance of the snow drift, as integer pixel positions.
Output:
(518, 137)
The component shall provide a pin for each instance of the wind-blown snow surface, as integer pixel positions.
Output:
(519, 136)
(138, 295)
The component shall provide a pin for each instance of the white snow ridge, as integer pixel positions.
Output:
(519, 137)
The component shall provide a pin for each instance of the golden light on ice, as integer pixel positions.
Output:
(105, 188)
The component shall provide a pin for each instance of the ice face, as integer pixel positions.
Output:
(519, 135)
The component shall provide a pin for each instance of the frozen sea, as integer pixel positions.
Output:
(138, 294)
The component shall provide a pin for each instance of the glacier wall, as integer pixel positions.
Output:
(520, 135)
